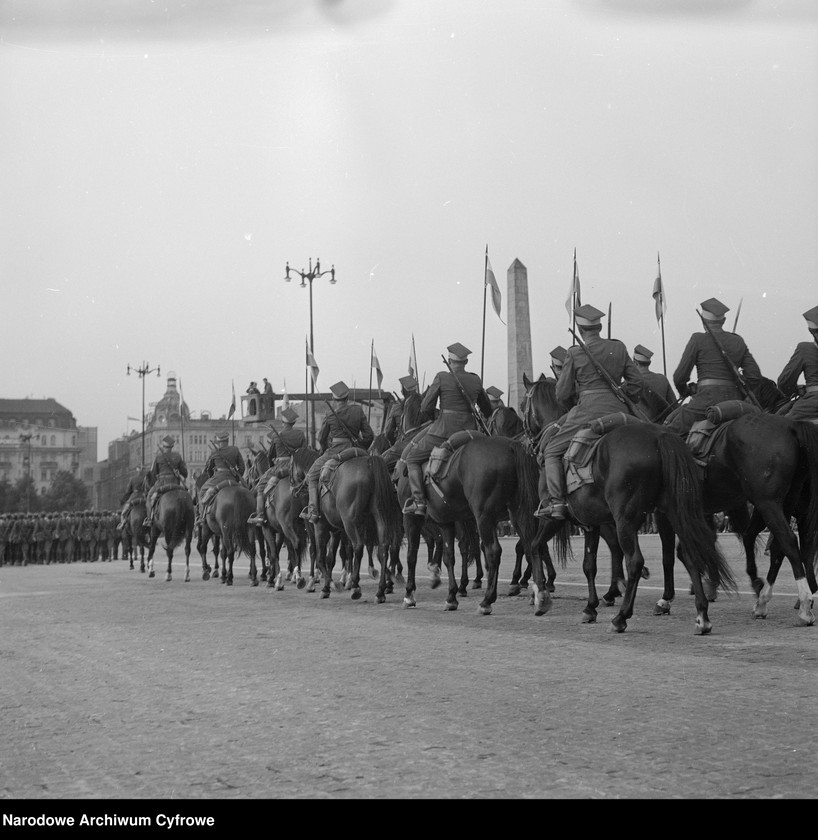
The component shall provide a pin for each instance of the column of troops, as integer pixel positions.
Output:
(83, 536)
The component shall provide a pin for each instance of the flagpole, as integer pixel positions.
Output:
(181, 418)
(307, 412)
(574, 297)
(609, 319)
(662, 310)
(371, 359)
(485, 275)
(738, 312)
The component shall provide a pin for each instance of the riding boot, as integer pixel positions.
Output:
(259, 517)
(311, 511)
(556, 507)
(417, 504)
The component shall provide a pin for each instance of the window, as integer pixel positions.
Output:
(53, 440)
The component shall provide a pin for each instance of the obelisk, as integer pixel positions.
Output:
(519, 333)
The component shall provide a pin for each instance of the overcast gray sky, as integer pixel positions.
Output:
(163, 161)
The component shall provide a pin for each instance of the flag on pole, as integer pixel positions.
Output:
(413, 362)
(233, 403)
(312, 365)
(659, 293)
(286, 400)
(573, 302)
(491, 281)
(376, 366)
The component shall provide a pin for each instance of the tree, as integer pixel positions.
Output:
(6, 491)
(22, 496)
(66, 493)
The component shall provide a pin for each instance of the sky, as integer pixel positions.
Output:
(163, 162)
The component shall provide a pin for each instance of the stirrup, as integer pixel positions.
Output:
(552, 510)
(257, 519)
(413, 508)
(146, 523)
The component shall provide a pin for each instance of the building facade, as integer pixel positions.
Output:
(39, 438)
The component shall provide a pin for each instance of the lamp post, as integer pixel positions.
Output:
(142, 372)
(26, 438)
(306, 280)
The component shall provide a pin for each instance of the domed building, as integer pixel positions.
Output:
(171, 408)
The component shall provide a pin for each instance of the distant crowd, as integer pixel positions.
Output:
(83, 536)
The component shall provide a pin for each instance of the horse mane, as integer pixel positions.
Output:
(769, 395)
(303, 457)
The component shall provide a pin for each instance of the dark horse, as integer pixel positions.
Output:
(638, 467)
(174, 521)
(489, 480)
(227, 519)
(136, 534)
(361, 494)
(772, 463)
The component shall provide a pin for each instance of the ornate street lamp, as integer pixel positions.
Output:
(142, 372)
(306, 280)
(26, 438)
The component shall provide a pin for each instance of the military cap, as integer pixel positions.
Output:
(714, 310)
(409, 383)
(642, 354)
(494, 392)
(222, 437)
(558, 354)
(339, 390)
(289, 415)
(812, 318)
(168, 441)
(457, 352)
(588, 316)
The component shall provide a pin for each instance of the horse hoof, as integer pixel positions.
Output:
(408, 603)
(372, 573)
(255, 581)
(477, 584)
(168, 578)
(514, 591)
(324, 594)
(702, 629)
(380, 599)
(661, 609)
(588, 618)
(434, 583)
(187, 578)
(645, 573)
(301, 583)
(618, 626)
(151, 574)
(205, 575)
(399, 578)
(550, 587)
(450, 606)
(608, 602)
(356, 594)
(484, 610)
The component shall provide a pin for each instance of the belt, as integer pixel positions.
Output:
(812, 389)
(341, 440)
(703, 383)
(595, 391)
(454, 411)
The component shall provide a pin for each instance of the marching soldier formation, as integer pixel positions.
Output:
(594, 378)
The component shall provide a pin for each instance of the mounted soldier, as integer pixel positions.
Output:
(658, 398)
(224, 467)
(458, 391)
(134, 492)
(584, 383)
(804, 360)
(557, 356)
(725, 368)
(282, 446)
(168, 472)
(408, 420)
(345, 426)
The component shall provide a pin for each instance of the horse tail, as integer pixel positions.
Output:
(684, 509)
(386, 501)
(173, 528)
(807, 435)
(526, 498)
(235, 531)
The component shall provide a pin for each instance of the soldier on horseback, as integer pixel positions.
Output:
(167, 472)
(407, 420)
(224, 467)
(345, 426)
(558, 355)
(282, 446)
(458, 391)
(582, 383)
(717, 356)
(133, 492)
(657, 398)
(804, 360)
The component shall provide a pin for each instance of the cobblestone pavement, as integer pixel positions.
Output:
(116, 685)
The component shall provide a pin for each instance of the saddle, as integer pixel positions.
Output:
(578, 458)
(704, 434)
(329, 469)
(437, 467)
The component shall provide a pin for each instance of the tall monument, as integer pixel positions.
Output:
(519, 333)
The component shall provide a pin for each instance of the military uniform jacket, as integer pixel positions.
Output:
(581, 386)
(227, 459)
(804, 360)
(455, 412)
(135, 488)
(657, 394)
(333, 435)
(701, 351)
(164, 464)
(292, 439)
